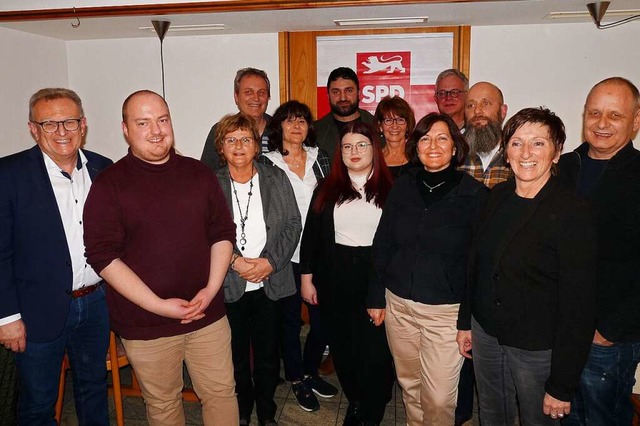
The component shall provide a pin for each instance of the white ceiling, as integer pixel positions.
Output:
(506, 12)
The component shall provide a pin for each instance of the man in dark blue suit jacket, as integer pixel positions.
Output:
(51, 301)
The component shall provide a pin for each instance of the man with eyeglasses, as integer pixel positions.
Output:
(51, 300)
(485, 111)
(343, 89)
(251, 93)
(451, 94)
(158, 229)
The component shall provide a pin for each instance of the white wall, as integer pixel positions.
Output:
(199, 74)
(29, 62)
(553, 65)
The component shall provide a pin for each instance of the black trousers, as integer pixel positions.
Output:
(255, 324)
(360, 351)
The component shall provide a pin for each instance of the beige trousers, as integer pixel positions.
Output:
(207, 353)
(422, 339)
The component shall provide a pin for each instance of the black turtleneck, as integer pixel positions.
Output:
(433, 186)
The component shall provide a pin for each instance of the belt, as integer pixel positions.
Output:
(81, 292)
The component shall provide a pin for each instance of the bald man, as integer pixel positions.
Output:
(485, 111)
(605, 169)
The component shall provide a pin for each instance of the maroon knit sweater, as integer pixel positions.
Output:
(161, 221)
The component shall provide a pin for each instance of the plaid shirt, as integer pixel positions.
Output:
(498, 170)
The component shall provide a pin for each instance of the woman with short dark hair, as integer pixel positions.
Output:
(529, 311)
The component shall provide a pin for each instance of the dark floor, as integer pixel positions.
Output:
(331, 411)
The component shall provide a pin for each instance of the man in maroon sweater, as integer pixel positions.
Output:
(158, 229)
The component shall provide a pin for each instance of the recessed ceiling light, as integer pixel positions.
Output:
(381, 21)
(194, 27)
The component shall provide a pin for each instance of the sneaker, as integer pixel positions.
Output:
(320, 387)
(305, 397)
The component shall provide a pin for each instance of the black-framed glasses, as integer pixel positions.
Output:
(50, 126)
(398, 120)
(441, 94)
(360, 147)
(231, 141)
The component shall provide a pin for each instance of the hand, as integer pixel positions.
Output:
(377, 315)
(202, 300)
(254, 270)
(600, 340)
(308, 290)
(14, 336)
(554, 407)
(464, 343)
(176, 308)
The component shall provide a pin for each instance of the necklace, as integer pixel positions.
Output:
(243, 220)
(431, 188)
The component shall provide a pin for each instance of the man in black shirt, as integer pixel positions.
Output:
(606, 171)
(343, 89)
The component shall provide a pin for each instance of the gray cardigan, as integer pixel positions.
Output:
(283, 224)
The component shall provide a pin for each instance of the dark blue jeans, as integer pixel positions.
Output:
(504, 375)
(605, 386)
(86, 340)
(297, 363)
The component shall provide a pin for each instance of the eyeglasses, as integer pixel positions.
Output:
(231, 141)
(398, 120)
(70, 125)
(441, 94)
(360, 147)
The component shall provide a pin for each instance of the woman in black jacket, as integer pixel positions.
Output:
(335, 259)
(529, 313)
(420, 253)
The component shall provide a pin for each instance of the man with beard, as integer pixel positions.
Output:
(451, 94)
(343, 89)
(485, 111)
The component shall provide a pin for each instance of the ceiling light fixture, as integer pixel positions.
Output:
(161, 28)
(586, 14)
(189, 28)
(597, 11)
(381, 21)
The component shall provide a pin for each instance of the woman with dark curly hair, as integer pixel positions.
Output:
(292, 148)
(420, 254)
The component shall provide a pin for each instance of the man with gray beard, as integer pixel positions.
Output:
(485, 111)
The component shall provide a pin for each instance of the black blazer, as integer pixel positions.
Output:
(420, 253)
(616, 204)
(35, 264)
(543, 281)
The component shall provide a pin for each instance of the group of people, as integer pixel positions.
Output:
(440, 253)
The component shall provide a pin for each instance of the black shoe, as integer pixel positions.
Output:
(305, 397)
(245, 422)
(269, 422)
(352, 418)
(320, 387)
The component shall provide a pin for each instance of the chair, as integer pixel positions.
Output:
(117, 352)
(635, 400)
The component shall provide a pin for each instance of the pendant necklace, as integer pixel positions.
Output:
(243, 220)
(431, 188)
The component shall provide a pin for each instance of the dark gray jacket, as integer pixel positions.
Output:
(283, 224)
